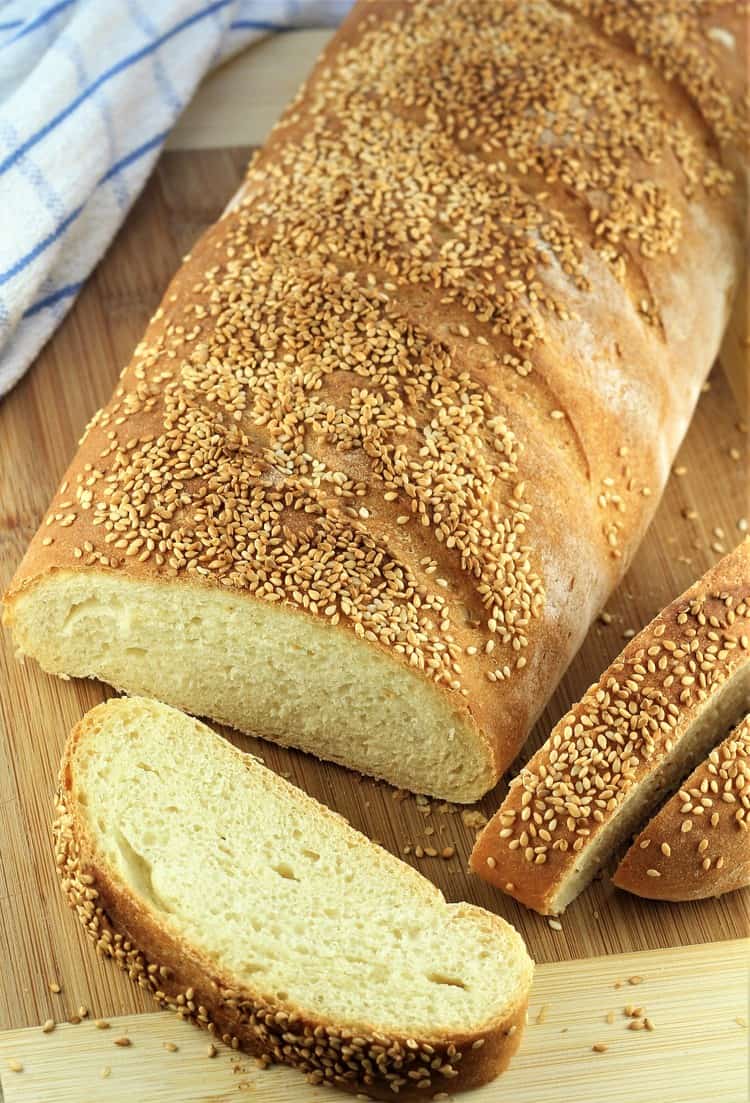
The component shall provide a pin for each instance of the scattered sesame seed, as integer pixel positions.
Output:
(106, 1072)
(54, 987)
(48, 1026)
(101, 1024)
(600, 1047)
(123, 1041)
(555, 924)
(14, 1065)
(211, 1050)
(635, 980)
(170, 1047)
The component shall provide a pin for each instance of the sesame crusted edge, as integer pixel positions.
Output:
(667, 862)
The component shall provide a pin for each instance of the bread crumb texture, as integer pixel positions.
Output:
(270, 921)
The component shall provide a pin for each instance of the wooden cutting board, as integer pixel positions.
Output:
(694, 998)
(40, 422)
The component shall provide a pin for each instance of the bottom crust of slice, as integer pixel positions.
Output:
(375, 1065)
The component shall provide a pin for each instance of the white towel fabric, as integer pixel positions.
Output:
(89, 90)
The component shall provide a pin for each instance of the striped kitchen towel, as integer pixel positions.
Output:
(89, 90)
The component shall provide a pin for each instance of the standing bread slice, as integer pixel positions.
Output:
(697, 845)
(654, 713)
(246, 906)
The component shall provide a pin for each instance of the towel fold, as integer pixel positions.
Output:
(89, 91)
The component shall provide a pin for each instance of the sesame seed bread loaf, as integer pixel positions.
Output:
(656, 711)
(404, 414)
(697, 844)
(244, 905)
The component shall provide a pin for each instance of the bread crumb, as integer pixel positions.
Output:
(542, 1014)
(106, 1071)
(741, 1021)
(211, 1050)
(473, 818)
(635, 980)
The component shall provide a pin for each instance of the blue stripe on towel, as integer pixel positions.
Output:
(124, 63)
(55, 297)
(40, 20)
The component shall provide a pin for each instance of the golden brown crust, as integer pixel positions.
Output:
(426, 378)
(618, 734)
(697, 845)
(183, 980)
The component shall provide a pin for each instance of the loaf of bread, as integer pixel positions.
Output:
(404, 414)
(664, 702)
(246, 906)
(697, 844)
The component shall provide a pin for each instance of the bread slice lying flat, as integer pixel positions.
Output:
(698, 844)
(245, 905)
(656, 711)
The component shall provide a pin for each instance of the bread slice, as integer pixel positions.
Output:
(697, 844)
(246, 906)
(656, 711)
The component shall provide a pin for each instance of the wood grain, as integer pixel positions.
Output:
(695, 998)
(40, 422)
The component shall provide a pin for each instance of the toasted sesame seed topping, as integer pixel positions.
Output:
(622, 728)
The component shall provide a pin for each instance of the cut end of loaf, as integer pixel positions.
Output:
(258, 667)
(263, 915)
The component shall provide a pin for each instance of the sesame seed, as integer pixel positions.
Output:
(123, 1041)
(48, 1026)
(600, 1047)
(14, 1065)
